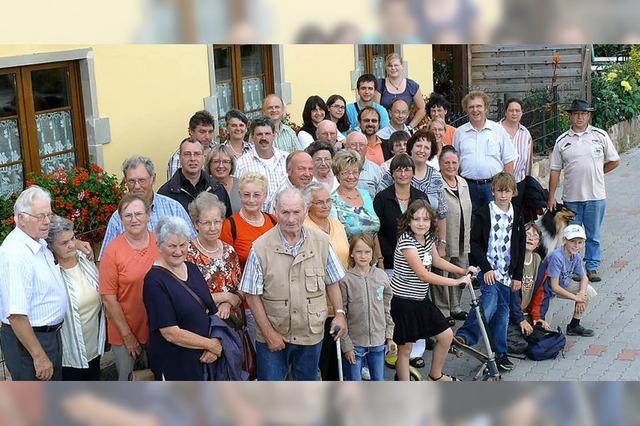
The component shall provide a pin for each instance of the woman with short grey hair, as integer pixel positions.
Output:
(84, 328)
(221, 165)
(178, 305)
(217, 260)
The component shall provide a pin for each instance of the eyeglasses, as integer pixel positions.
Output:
(191, 154)
(346, 173)
(210, 223)
(129, 216)
(323, 203)
(320, 160)
(141, 182)
(337, 106)
(219, 162)
(401, 170)
(40, 217)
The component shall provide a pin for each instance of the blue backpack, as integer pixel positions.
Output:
(544, 344)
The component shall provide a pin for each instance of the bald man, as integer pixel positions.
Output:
(328, 131)
(299, 166)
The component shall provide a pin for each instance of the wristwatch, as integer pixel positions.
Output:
(341, 311)
(442, 242)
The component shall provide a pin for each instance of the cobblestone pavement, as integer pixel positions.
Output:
(614, 352)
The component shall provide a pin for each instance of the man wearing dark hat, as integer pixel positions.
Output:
(585, 153)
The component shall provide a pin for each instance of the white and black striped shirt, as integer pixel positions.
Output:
(405, 283)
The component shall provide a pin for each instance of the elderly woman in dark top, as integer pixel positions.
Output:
(422, 147)
(84, 328)
(457, 248)
(322, 154)
(178, 323)
(221, 165)
(391, 203)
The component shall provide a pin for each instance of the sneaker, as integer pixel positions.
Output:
(579, 330)
(593, 276)
(504, 363)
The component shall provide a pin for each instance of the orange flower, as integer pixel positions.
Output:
(555, 59)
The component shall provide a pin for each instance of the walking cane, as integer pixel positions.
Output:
(336, 330)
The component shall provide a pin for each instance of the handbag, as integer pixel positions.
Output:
(141, 371)
(249, 361)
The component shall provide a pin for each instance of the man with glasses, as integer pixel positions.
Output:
(190, 180)
(139, 176)
(33, 299)
(327, 131)
(399, 113)
(201, 127)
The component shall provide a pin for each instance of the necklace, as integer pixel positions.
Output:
(206, 250)
(349, 197)
(255, 222)
(452, 186)
(394, 85)
(237, 154)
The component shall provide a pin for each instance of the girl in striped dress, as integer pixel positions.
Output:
(413, 313)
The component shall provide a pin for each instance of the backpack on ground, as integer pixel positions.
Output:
(516, 343)
(544, 344)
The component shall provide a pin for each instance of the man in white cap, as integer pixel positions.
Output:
(585, 153)
(554, 279)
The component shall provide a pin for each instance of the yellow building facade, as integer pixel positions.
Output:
(137, 99)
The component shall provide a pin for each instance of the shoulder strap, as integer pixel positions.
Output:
(186, 287)
(234, 231)
(271, 218)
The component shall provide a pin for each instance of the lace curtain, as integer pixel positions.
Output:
(11, 176)
(55, 135)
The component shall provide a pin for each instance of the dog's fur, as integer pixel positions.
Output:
(552, 224)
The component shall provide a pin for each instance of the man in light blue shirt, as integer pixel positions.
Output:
(484, 147)
(139, 176)
(366, 85)
(33, 299)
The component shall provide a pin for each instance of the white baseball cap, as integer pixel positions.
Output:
(574, 231)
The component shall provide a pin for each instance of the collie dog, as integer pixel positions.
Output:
(552, 224)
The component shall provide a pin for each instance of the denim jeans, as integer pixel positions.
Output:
(274, 366)
(375, 362)
(480, 195)
(590, 214)
(494, 301)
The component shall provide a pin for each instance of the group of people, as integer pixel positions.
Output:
(359, 228)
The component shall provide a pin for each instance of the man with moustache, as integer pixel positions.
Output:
(190, 180)
(33, 299)
(285, 138)
(265, 158)
(299, 166)
(369, 120)
(484, 147)
(585, 153)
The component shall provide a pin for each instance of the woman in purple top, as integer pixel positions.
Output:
(396, 86)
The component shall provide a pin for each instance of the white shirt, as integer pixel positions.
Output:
(30, 282)
(386, 132)
(484, 153)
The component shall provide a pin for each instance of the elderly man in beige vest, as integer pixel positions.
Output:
(289, 271)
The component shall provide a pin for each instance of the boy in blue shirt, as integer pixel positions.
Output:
(555, 278)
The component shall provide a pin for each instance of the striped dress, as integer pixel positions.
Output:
(522, 143)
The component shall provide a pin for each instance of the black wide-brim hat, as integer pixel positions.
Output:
(580, 105)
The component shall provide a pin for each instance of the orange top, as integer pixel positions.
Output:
(448, 134)
(122, 272)
(246, 234)
(374, 152)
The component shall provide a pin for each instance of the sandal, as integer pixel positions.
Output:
(453, 378)
(417, 362)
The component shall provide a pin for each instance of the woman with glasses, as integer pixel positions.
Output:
(322, 154)
(217, 260)
(221, 164)
(125, 262)
(353, 206)
(317, 197)
(337, 113)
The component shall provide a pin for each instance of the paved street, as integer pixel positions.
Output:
(614, 352)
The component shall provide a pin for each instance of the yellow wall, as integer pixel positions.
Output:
(419, 58)
(149, 92)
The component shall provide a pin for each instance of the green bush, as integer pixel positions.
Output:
(615, 91)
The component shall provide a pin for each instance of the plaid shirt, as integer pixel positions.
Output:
(252, 281)
(275, 172)
(286, 140)
(160, 206)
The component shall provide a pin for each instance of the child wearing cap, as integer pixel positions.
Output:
(554, 278)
